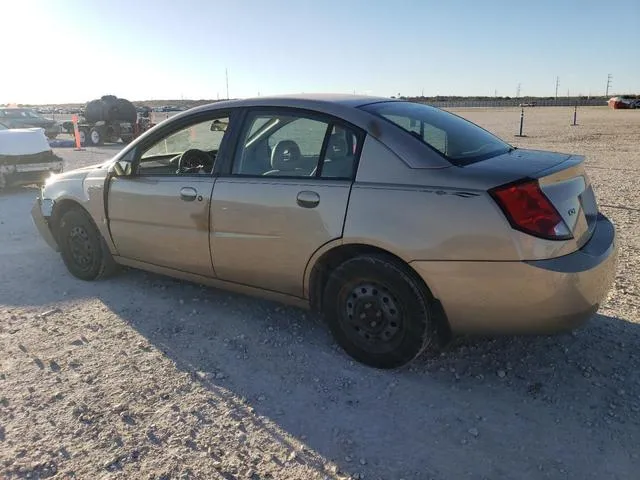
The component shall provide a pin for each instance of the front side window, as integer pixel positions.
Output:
(190, 150)
(290, 145)
(459, 140)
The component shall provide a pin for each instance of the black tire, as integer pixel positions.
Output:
(396, 326)
(96, 136)
(126, 139)
(82, 248)
(83, 133)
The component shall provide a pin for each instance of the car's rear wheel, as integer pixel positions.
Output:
(378, 311)
(82, 247)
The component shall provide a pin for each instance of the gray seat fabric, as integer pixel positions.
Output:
(338, 161)
(285, 157)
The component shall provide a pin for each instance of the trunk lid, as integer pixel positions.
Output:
(567, 186)
(562, 179)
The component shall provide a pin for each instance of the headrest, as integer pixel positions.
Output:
(337, 147)
(286, 155)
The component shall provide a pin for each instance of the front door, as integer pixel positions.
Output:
(160, 213)
(285, 196)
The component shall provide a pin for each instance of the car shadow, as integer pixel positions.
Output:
(511, 407)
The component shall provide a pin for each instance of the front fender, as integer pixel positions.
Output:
(85, 188)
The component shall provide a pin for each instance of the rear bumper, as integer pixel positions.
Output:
(541, 296)
(42, 223)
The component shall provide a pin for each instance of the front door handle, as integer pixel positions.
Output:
(307, 199)
(188, 194)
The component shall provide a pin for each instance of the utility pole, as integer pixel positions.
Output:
(557, 85)
(609, 78)
(226, 74)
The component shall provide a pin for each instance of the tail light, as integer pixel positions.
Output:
(530, 211)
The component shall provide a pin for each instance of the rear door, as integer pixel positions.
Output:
(284, 196)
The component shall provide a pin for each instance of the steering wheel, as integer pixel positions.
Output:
(193, 161)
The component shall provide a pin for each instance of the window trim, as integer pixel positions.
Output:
(226, 169)
(177, 126)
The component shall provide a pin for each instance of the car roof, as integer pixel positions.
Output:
(300, 100)
(341, 106)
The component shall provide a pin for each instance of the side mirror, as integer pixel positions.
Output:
(120, 169)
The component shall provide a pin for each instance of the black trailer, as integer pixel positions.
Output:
(108, 120)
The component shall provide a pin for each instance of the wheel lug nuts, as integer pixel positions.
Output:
(363, 316)
(373, 324)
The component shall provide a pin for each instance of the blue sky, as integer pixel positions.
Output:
(66, 50)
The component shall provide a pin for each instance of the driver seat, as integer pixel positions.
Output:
(285, 158)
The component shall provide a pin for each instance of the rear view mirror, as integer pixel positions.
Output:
(218, 126)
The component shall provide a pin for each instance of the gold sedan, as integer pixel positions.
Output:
(399, 221)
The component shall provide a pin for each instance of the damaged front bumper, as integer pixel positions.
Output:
(41, 213)
(28, 169)
(28, 173)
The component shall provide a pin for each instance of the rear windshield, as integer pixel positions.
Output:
(459, 140)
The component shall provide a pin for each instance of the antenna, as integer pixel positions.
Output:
(226, 74)
(609, 78)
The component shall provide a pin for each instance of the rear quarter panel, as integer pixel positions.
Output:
(433, 214)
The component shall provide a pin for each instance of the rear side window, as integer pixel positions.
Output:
(459, 140)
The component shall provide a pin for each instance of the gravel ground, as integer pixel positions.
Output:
(141, 376)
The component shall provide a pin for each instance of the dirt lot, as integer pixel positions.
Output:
(141, 376)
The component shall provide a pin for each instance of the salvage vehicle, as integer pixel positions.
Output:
(26, 157)
(15, 117)
(400, 222)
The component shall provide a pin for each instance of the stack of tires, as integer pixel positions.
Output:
(109, 108)
(108, 114)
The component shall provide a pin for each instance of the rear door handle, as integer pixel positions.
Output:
(308, 199)
(188, 194)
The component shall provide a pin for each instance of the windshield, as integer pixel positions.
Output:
(459, 140)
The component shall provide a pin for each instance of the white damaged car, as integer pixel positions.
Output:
(26, 157)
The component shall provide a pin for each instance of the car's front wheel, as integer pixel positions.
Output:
(378, 311)
(82, 248)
